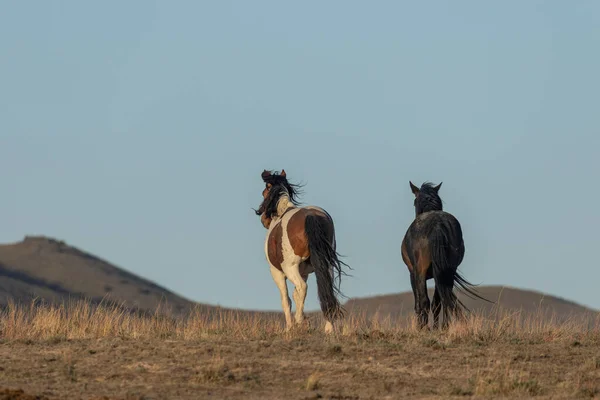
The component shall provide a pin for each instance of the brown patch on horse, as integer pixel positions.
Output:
(424, 263)
(305, 270)
(296, 230)
(275, 246)
(422, 260)
(405, 257)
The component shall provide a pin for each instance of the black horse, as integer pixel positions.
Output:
(433, 247)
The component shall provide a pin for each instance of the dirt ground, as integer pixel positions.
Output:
(368, 366)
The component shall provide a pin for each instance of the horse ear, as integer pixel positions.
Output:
(437, 188)
(283, 173)
(413, 188)
(265, 175)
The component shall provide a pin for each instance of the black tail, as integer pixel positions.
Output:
(446, 276)
(327, 265)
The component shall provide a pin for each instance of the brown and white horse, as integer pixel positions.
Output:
(300, 241)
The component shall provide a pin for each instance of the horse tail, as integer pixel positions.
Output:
(446, 275)
(467, 287)
(443, 272)
(327, 265)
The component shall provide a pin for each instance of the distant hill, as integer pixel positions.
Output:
(41, 267)
(49, 269)
(505, 298)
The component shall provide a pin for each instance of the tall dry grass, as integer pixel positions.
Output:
(84, 320)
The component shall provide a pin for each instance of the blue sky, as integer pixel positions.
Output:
(138, 131)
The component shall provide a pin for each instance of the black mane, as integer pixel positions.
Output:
(428, 199)
(279, 187)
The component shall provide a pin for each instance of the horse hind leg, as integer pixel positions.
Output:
(436, 307)
(300, 289)
(286, 303)
(448, 301)
(448, 311)
(304, 272)
(422, 303)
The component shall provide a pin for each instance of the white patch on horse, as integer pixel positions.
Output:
(289, 257)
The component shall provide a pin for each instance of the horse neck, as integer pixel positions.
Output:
(430, 206)
(283, 204)
(425, 211)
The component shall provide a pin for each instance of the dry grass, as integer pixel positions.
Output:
(82, 320)
(81, 348)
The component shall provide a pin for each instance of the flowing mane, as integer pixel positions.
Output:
(280, 190)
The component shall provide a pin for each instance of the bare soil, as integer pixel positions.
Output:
(302, 366)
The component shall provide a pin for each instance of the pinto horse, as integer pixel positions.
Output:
(300, 241)
(433, 247)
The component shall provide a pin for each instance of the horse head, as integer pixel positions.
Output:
(276, 185)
